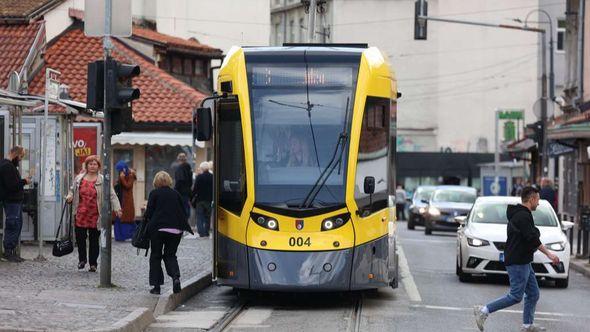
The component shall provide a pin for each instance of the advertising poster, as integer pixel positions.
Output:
(85, 144)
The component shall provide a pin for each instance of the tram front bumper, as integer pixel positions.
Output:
(300, 271)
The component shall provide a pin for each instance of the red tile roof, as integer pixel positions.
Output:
(15, 42)
(22, 9)
(170, 41)
(163, 97)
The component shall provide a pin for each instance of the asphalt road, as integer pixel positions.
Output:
(430, 298)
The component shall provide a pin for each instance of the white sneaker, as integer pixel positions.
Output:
(480, 317)
(533, 328)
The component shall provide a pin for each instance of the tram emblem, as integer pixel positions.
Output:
(299, 224)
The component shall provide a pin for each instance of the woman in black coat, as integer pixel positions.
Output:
(167, 220)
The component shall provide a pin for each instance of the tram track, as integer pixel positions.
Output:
(350, 319)
(354, 322)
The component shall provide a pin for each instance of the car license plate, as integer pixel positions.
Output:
(502, 257)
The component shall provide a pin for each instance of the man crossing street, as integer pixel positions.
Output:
(523, 240)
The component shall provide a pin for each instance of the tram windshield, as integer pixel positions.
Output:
(299, 112)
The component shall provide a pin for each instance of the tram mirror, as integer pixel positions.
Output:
(203, 124)
(369, 185)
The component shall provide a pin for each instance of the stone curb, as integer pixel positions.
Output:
(169, 301)
(581, 266)
(136, 321)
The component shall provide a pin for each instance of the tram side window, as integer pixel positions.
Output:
(232, 174)
(372, 156)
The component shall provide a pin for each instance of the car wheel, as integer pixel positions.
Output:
(427, 230)
(458, 269)
(562, 283)
(463, 277)
(411, 225)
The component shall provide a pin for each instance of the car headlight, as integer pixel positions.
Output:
(422, 210)
(433, 211)
(266, 222)
(335, 222)
(556, 246)
(475, 242)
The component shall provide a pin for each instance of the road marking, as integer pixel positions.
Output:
(543, 313)
(428, 241)
(407, 278)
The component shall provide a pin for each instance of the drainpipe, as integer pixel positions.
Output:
(580, 90)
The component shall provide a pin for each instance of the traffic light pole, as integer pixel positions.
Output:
(105, 222)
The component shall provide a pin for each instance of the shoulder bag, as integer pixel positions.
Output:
(64, 246)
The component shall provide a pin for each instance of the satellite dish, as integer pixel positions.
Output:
(537, 108)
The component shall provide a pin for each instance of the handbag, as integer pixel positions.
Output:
(64, 246)
(140, 240)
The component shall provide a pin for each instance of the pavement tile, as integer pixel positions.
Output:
(53, 295)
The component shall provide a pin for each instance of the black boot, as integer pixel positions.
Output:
(176, 285)
(13, 256)
(155, 290)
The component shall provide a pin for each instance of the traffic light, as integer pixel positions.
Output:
(95, 86)
(420, 25)
(120, 94)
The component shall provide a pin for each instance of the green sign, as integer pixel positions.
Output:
(509, 131)
(511, 115)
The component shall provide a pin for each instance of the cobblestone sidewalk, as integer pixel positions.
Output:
(54, 295)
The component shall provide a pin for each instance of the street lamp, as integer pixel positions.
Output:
(544, 105)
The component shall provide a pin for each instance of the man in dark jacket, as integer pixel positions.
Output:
(183, 180)
(202, 198)
(523, 240)
(12, 195)
(548, 193)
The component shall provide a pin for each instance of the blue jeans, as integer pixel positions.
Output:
(522, 284)
(14, 224)
(187, 205)
(203, 217)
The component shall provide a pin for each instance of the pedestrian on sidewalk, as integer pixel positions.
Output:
(202, 196)
(12, 196)
(86, 197)
(125, 226)
(548, 193)
(167, 220)
(183, 180)
(523, 240)
(400, 202)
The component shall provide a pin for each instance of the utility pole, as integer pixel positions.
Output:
(311, 21)
(105, 222)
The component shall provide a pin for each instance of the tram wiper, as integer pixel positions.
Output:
(323, 178)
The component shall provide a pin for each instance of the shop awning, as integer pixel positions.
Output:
(523, 145)
(571, 131)
(154, 138)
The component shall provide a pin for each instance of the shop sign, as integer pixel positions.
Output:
(85, 144)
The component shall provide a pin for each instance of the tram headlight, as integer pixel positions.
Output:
(335, 222)
(264, 221)
(272, 224)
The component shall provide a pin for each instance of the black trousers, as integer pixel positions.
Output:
(163, 246)
(93, 234)
(400, 211)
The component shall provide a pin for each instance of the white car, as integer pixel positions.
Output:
(482, 237)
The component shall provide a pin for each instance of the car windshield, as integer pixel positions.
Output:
(297, 121)
(454, 196)
(423, 194)
(495, 213)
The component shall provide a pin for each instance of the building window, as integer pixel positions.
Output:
(125, 155)
(277, 28)
(176, 65)
(188, 67)
(200, 67)
(161, 158)
(301, 30)
(560, 35)
(291, 31)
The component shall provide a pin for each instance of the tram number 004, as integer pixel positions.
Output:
(299, 241)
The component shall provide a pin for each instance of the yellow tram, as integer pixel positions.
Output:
(304, 145)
